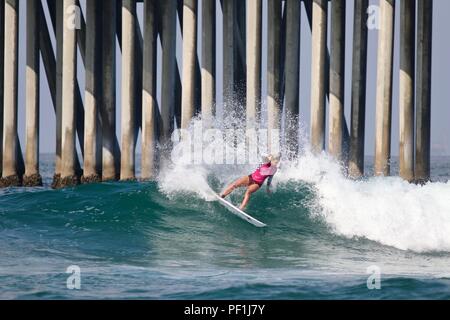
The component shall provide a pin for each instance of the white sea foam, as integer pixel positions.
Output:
(188, 170)
(181, 178)
(383, 209)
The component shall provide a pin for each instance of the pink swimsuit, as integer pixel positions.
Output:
(262, 173)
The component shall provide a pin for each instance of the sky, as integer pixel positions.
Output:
(440, 77)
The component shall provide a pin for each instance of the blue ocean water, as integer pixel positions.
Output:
(168, 240)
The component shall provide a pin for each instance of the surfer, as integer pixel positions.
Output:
(254, 181)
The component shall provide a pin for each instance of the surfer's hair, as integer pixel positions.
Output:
(265, 158)
(274, 158)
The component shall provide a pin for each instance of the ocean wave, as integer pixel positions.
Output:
(387, 210)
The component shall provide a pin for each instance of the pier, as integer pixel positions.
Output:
(157, 98)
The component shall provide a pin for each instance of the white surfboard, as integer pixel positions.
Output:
(238, 212)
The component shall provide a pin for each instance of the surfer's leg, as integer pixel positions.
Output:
(251, 189)
(241, 182)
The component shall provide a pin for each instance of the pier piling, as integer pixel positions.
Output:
(337, 79)
(32, 177)
(407, 85)
(208, 70)
(58, 29)
(150, 110)
(189, 59)
(110, 154)
(92, 135)
(273, 72)
(10, 174)
(358, 103)
(128, 106)
(254, 58)
(384, 88)
(2, 59)
(229, 56)
(69, 176)
(168, 13)
(423, 90)
(292, 75)
(318, 74)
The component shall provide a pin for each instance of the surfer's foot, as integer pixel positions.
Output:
(222, 196)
